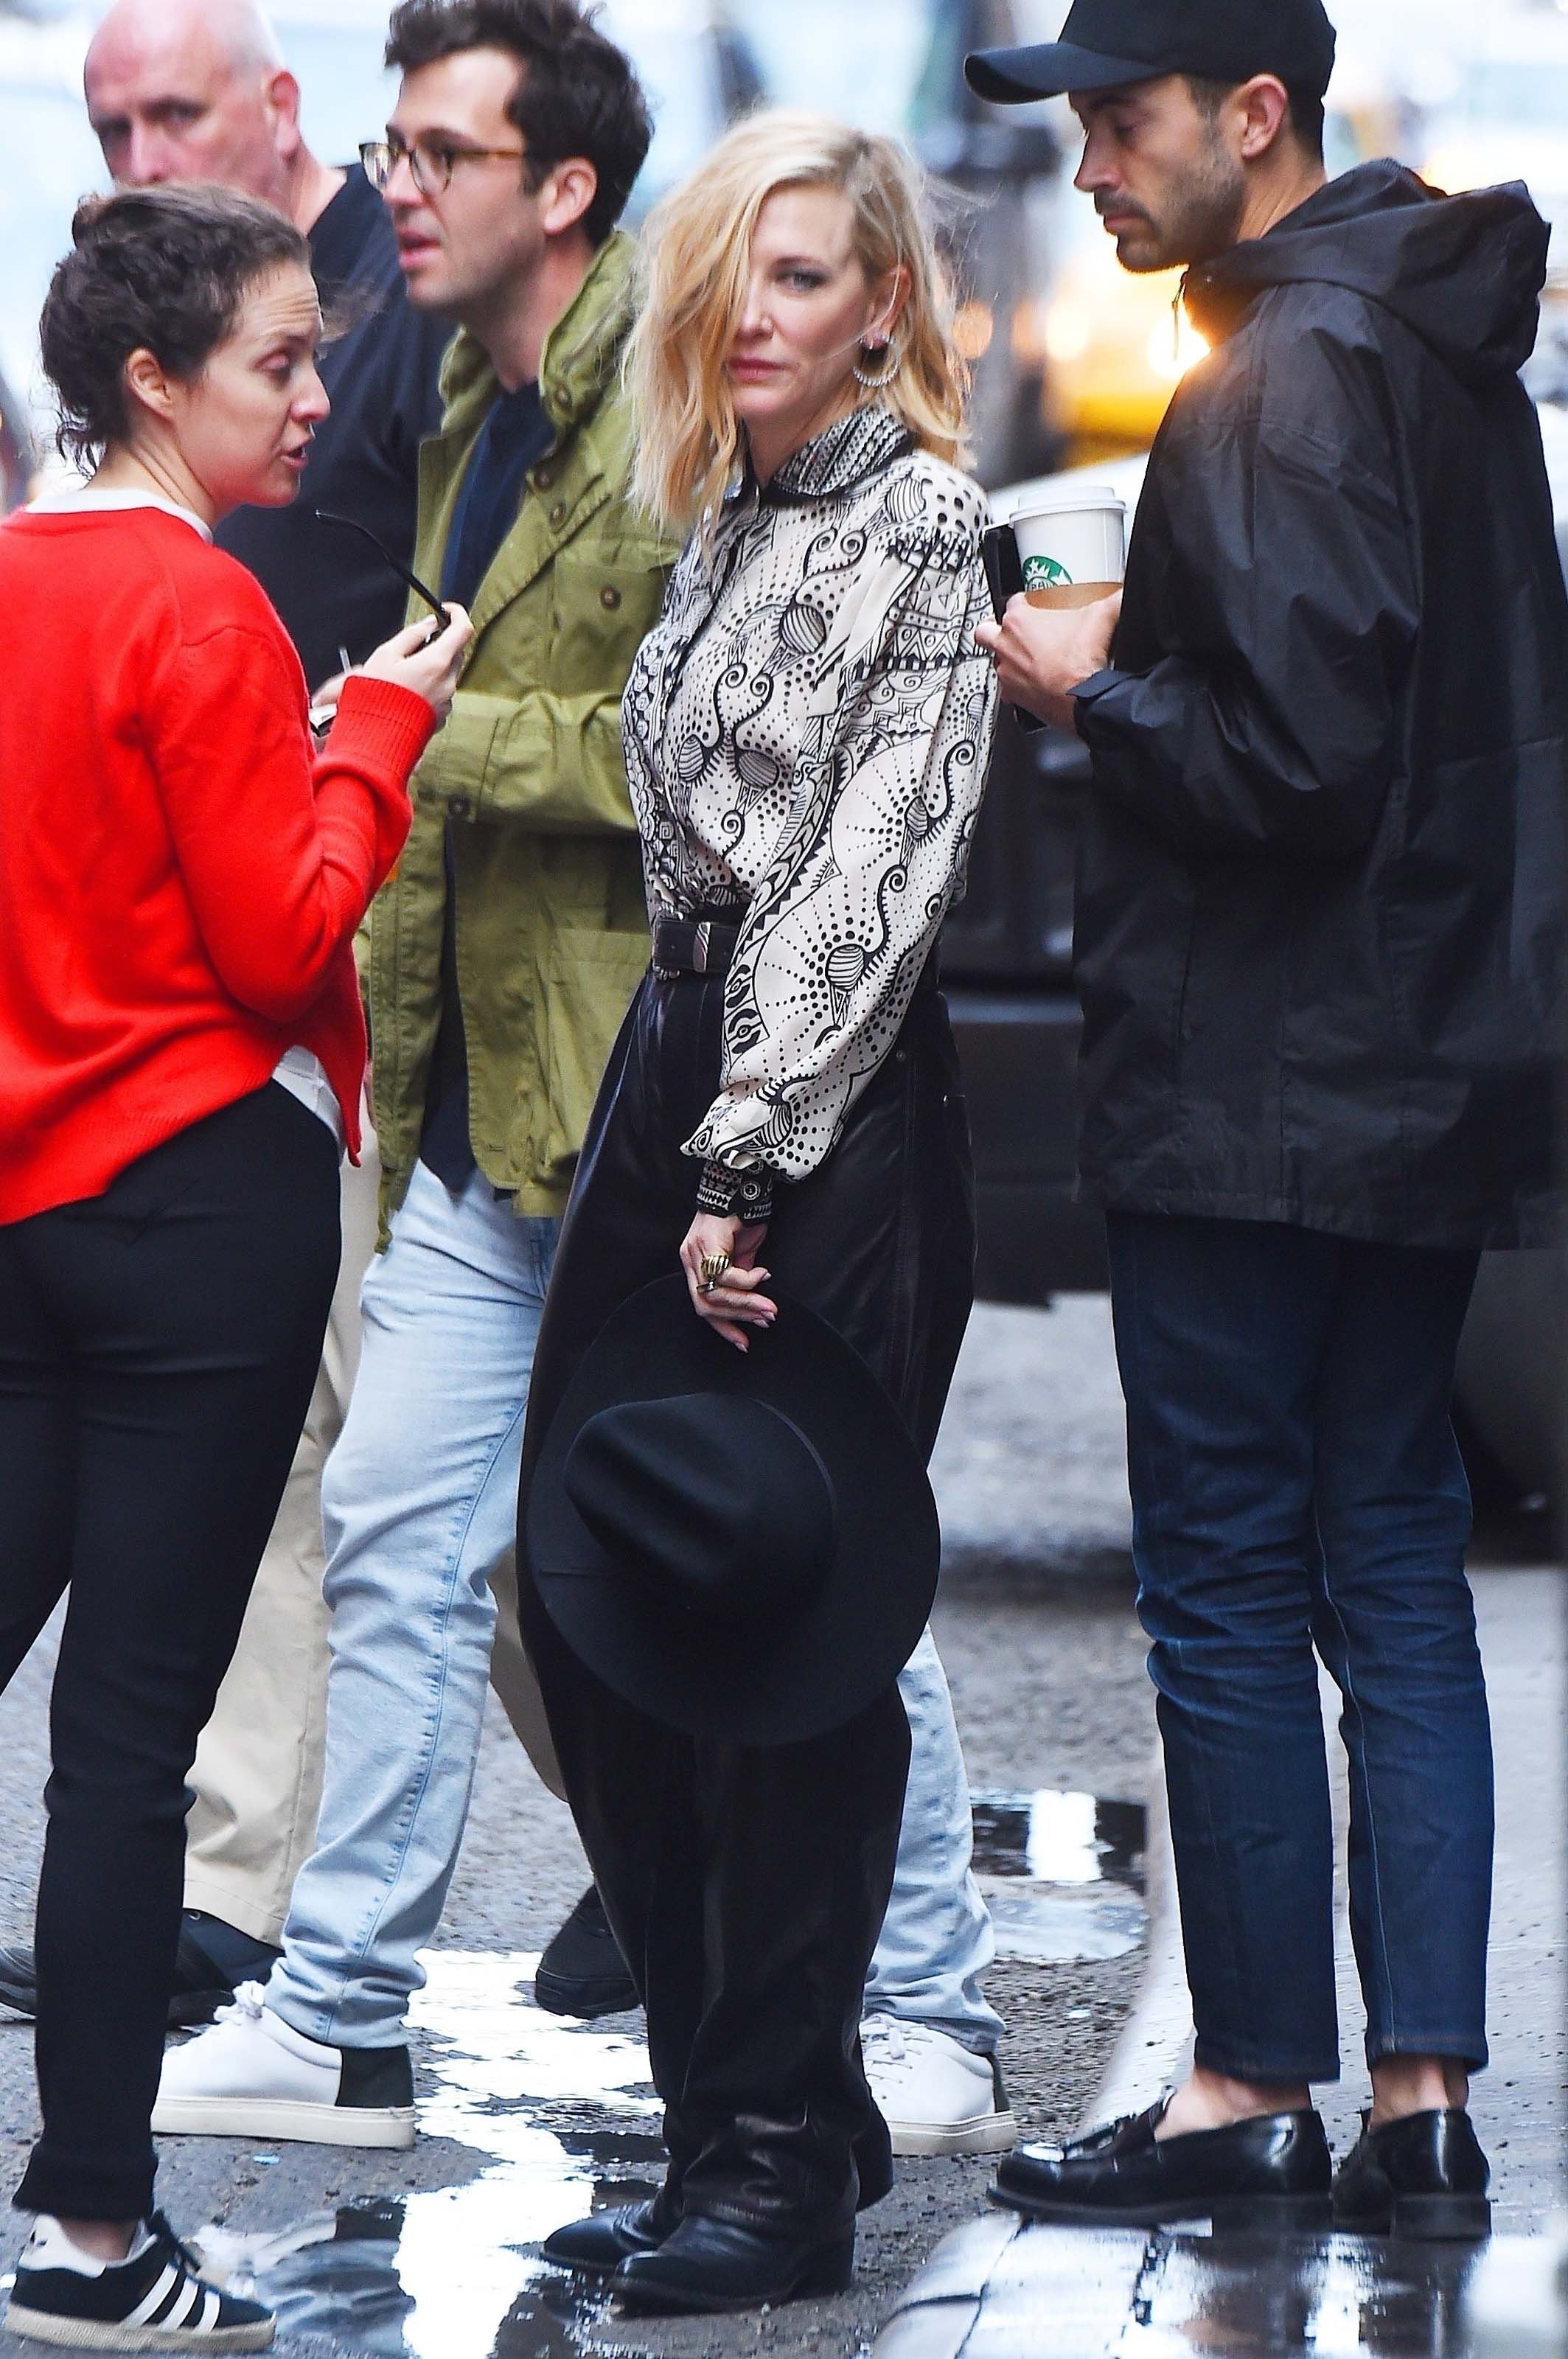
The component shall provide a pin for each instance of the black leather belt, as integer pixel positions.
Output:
(694, 945)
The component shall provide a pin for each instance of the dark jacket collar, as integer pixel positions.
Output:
(1465, 273)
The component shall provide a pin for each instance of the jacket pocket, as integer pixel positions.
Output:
(603, 607)
(589, 979)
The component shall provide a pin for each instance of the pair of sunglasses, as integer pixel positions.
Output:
(411, 580)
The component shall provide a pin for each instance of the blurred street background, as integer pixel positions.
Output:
(1073, 359)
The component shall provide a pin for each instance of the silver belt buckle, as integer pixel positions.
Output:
(701, 936)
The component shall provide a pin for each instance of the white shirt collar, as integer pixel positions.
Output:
(86, 498)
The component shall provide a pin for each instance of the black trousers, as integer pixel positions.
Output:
(158, 1347)
(747, 1886)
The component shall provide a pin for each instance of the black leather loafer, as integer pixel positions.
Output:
(598, 2244)
(1424, 2177)
(581, 1972)
(715, 2265)
(1272, 2172)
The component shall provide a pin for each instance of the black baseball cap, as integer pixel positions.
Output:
(1107, 42)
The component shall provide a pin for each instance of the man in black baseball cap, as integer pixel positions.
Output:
(1317, 941)
(1109, 43)
(1204, 117)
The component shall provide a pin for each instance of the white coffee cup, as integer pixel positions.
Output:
(1072, 543)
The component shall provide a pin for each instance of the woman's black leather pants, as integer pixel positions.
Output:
(747, 1886)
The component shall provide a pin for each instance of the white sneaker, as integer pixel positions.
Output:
(253, 2075)
(934, 2096)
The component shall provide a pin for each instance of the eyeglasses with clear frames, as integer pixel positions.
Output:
(430, 161)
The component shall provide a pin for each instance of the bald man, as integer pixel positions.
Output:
(187, 89)
(196, 90)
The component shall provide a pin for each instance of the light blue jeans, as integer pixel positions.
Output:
(936, 1937)
(419, 1504)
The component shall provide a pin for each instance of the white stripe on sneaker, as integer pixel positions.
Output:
(182, 2313)
(211, 2305)
(146, 2309)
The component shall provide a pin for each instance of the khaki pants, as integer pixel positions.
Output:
(257, 1773)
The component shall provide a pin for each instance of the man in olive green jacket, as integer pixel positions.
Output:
(524, 852)
(503, 954)
(506, 948)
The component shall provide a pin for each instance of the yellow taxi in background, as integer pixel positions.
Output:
(1115, 344)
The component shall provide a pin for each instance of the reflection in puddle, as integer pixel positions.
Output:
(1336, 2298)
(1519, 2296)
(1063, 1874)
(1082, 2293)
(454, 2273)
(1060, 1838)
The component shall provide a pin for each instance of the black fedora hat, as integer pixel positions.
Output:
(743, 1546)
(1105, 43)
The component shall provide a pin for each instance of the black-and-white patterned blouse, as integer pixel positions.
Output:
(807, 730)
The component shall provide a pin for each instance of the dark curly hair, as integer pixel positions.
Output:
(166, 271)
(577, 93)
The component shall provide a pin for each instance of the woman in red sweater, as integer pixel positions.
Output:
(181, 1048)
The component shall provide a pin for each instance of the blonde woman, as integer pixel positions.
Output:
(806, 734)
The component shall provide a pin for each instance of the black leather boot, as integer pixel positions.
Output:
(716, 2264)
(1272, 2172)
(1424, 2177)
(598, 2244)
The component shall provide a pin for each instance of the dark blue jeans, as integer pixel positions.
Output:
(1296, 1486)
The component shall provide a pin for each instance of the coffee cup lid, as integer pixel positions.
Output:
(1055, 502)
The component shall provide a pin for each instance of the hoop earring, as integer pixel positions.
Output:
(877, 383)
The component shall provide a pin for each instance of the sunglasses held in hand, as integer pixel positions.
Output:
(351, 524)
(321, 715)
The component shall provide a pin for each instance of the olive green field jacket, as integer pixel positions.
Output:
(551, 925)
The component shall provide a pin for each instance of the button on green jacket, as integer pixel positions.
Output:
(551, 925)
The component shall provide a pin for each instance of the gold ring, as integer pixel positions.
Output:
(711, 1268)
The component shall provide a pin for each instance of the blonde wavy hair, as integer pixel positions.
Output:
(696, 258)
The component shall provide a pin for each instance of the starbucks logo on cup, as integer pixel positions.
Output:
(1072, 543)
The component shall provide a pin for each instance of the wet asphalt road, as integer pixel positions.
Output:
(525, 2121)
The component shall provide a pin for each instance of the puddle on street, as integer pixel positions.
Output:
(1055, 1838)
(454, 2272)
(1081, 2293)
(1063, 1874)
(1338, 2298)
(560, 2116)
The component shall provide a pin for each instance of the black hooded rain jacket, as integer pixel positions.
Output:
(1319, 908)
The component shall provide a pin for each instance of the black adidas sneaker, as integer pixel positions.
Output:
(154, 2300)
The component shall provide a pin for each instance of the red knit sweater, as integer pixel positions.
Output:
(181, 877)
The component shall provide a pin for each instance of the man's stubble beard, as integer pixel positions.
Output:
(1199, 220)
(491, 288)
(469, 296)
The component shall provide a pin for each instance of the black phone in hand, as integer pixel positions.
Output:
(1004, 576)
